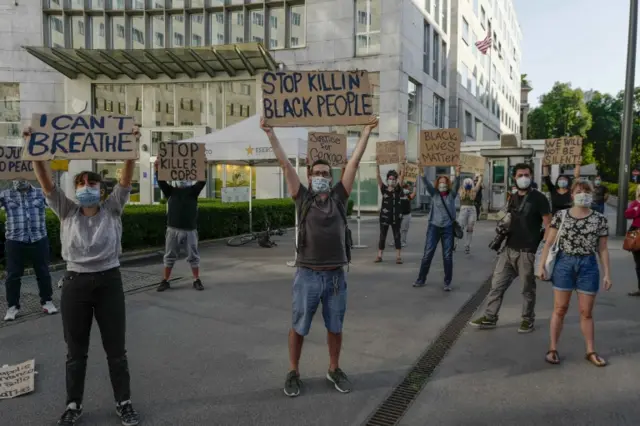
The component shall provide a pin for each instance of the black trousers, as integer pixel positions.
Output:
(384, 229)
(636, 259)
(18, 253)
(84, 296)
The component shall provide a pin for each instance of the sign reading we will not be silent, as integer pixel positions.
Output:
(81, 137)
(562, 151)
(316, 98)
(330, 147)
(440, 147)
(12, 166)
(181, 161)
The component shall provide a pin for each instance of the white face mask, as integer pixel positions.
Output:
(523, 182)
(514, 191)
(582, 199)
(391, 182)
(442, 187)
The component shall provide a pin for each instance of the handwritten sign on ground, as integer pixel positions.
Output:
(316, 98)
(562, 151)
(411, 172)
(440, 147)
(12, 166)
(330, 147)
(472, 164)
(390, 152)
(181, 161)
(16, 380)
(81, 137)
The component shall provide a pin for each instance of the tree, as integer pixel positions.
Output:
(604, 135)
(524, 81)
(562, 112)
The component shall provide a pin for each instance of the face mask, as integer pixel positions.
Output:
(523, 182)
(320, 184)
(598, 182)
(20, 185)
(514, 191)
(391, 182)
(406, 191)
(582, 199)
(468, 186)
(562, 184)
(179, 184)
(443, 187)
(87, 196)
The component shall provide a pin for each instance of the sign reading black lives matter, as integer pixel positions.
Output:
(81, 137)
(316, 98)
(330, 147)
(440, 147)
(181, 161)
(12, 166)
(16, 380)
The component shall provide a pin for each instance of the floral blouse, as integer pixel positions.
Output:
(580, 237)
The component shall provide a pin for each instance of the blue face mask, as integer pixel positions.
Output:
(563, 183)
(468, 187)
(20, 185)
(320, 184)
(87, 196)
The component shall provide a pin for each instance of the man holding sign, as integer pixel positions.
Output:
(323, 251)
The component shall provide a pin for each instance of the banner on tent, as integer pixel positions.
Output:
(330, 147)
(316, 98)
(181, 161)
(12, 166)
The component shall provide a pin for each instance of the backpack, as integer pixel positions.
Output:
(304, 210)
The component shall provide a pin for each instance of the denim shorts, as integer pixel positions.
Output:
(312, 287)
(580, 273)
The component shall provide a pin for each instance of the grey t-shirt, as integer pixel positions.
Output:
(324, 228)
(90, 243)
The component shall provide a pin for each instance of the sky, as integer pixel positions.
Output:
(579, 41)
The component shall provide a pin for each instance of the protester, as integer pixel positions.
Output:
(560, 192)
(600, 195)
(580, 233)
(390, 211)
(514, 190)
(90, 236)
(478, 200)
(182, 228)
(468, 216)
(408, 194)
(26, 239)
(322, 254)
(633, 213)
(440, 228)
(528, 210)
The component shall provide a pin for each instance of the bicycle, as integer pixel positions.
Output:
(263, 238)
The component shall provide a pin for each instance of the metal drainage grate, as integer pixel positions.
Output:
(397, 403)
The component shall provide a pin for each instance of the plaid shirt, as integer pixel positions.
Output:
(25, 214)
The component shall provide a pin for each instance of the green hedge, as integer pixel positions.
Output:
(144, 225)
(613, 190)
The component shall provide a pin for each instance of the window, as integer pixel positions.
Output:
(295, 19)
(436, 56)
(137, 32)
(257, 18)
(468, 124)
(197, 30)
(464, 75)
(217, 28)
(438, 111)
(277, 32)
(297, 30)
(10, 110)
(237, 27)
(443, 74)
(475, 7)
(465, 31)
(96, 23)
(367, 27)
(178, 30)
(426, 47)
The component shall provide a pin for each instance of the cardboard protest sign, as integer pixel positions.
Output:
(316, 98)
(16, 380)
(440, 147)
(330, 147)
(12, 166)
(472, 164)
(181, 161)
(562, 151)
(81, 137)
(411, 172)
(390, 152)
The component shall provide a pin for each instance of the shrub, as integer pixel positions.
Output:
(614, 187)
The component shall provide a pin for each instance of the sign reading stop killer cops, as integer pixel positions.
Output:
(440, 147)
(316, 98)
(12, 166)
(81, 137)
(181, 161)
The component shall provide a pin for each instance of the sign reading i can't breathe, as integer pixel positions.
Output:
(330, 147)
(440, 147)
(81, 137)
(12, 166)
(181, 161)
(316, 98)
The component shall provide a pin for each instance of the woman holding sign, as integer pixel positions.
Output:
(390, 211)
(90, 236)
(468, 216)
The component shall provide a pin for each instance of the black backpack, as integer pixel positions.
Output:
(304, 210)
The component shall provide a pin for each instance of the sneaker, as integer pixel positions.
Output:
(447, 287)
(419, 283)
(11, 313)
(128, 416)
(164, 285)
(404, 245)
(526, 327)
(483, 323)
(49, 308)
(340, 380)
(292, 384)
(197, 284)
(467, 250)
(70, 415)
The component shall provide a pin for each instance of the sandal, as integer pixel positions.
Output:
(634, 293)
(554, 358)
(378, 260)
(595, 359)
(399, 261)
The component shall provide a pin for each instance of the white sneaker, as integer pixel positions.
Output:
(11, 313)
(49, 308)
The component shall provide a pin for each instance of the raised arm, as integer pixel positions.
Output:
(290, 173)
(479, 184)
(380, 182)
(164, 186)
(403, 166)
(546, 179)
(456, 181)
(576, 172)
(354, 162)
(129, 165)
(427, 184)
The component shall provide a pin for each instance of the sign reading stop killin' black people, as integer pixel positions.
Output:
(181, 161)
(440, 147)
(81, 137)
(316, 98)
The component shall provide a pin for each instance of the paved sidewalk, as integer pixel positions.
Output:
(219, 357)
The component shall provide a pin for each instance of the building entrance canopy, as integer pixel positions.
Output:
(231, 60)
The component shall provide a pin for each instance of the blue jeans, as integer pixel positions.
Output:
(17, 254)
(579, 273)
(445, 236)
(598, 207)
(312, 287)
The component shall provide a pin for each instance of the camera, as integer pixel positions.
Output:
(502, 232)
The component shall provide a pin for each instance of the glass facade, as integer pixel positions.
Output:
(10, 110)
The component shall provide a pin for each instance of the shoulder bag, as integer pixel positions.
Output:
(550, 263)
(632, 240)
(457, 229)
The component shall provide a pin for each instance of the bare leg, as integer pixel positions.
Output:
(295, 350)
(167, 273)
(586, 302)
(334, 341)
(561, 300)
(196, 273)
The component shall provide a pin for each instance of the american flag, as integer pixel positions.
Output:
(484, 45)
